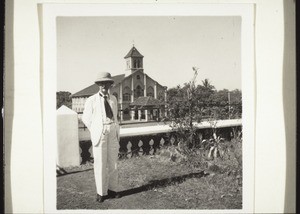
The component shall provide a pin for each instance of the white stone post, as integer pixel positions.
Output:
(132, 90)
(155, 90)
(121, 102)
(132, 112)
(67, 138)
(166, 112)
(145, 85)
(140, 114)
(146, 115)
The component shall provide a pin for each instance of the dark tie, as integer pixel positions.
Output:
(108, 110)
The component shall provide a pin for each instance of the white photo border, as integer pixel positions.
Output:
(48, 15)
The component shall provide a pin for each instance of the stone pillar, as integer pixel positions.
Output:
(121, 101)
(67, 138)
(155, 90)
(146, 115)
(132, 89)
(132, 112)
(145, 85)
(140, 114)
(166, 112)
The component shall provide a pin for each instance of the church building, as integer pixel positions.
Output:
(140, 98)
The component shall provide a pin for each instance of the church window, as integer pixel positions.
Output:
(126, 111)
(128, 64)
(138, 91)
(134, 64)
(138, 77)
(150, 91)
(126, 97)
(126, 94)
(150, 94)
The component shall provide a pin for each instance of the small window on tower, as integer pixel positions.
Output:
(128, 64)
(138, 77)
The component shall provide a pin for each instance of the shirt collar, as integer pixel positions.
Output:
(102, 95)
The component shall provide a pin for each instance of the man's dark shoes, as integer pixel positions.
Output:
(100, 198)
(113, 194)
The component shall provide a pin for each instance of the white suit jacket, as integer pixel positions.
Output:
(94, 116)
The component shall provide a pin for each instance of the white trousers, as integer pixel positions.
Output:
(105, 160)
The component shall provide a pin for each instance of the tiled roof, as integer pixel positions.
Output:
(93, 89)
(146, 101)
(118, 78)
(133, 53)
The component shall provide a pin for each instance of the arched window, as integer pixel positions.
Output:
(128, 64)
(135, 63)
(138, 77)
(138, 63)
(150, 91)
(126, 94)
(138, 91)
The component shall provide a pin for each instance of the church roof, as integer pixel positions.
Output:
(93, 89)
(146, 102)
(133, 53)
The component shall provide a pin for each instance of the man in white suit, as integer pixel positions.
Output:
(100, 117)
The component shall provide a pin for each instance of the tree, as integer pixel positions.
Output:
(190, 104)
(225, 104)
(63, 98)
(236, 103)
(184, 111)
(207, 84)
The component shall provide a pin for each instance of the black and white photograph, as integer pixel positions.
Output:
(174, 85)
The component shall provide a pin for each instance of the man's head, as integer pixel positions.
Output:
(104, 81)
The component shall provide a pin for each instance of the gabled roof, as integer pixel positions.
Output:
(118, 78)
(93, 89)
(133, 53)
(86, 92)
(146, 101)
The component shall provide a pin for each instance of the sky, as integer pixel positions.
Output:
(171, 46)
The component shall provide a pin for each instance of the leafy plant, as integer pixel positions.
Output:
(216, 147)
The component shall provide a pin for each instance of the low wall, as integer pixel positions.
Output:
(84, 134)
(147, 140)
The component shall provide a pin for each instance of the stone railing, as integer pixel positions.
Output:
(148, 140)
(140, 139)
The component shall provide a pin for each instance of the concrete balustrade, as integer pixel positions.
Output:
(74, 146)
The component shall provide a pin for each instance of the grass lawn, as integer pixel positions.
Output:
(155, 182)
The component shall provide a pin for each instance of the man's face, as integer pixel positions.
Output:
(104, 87)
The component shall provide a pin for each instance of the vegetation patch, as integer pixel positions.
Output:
(160, 182)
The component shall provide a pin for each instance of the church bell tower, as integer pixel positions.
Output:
(134, 61)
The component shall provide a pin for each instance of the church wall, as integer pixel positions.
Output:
(126, 82)
(115, 91)
(150, 82)
(136, 81)
(160, 91)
